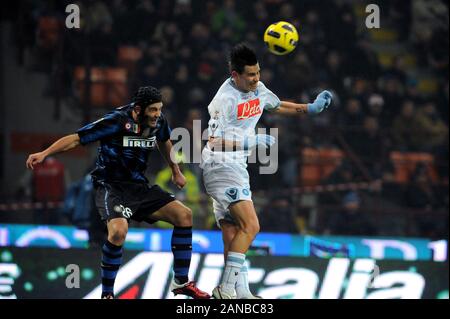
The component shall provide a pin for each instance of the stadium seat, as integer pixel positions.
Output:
(318, 164)
(330, 159)
(310, 172)
(405, 165)
(108, 87)
(117, 92)
(48, 32)
(413, 159)
(401, 173)
(128, 56)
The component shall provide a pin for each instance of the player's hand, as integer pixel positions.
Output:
(179, 179)
(259, 139)
(322, 101)
(34, 159)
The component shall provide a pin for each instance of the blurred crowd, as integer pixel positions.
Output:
(378, 108)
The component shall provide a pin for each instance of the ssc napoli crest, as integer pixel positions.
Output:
(232, 193)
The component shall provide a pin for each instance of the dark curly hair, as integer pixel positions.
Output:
(147, 95)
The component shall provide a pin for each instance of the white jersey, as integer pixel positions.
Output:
(234, 115)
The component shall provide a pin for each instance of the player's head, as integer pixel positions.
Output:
(244, 67)
(148, 104)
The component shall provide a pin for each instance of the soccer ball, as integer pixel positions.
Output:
(281, 38)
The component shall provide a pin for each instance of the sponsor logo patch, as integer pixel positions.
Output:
(248, 109)
(142, 142)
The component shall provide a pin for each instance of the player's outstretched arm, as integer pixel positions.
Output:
(64, 144)
(165, 148)
(322, 101)
(291, 108)
(244, 143)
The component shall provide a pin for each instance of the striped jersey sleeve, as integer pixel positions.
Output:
(109, 125)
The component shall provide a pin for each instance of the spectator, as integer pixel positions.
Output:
(351, 220)
(404, 130)
(277, 216)
(420, 193)
(352, 116)
(227, 19)
(422, 196)
(431, 129)
(368, 145)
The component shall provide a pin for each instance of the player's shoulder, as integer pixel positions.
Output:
(263, 90)
(124, 110)
(227, 91)
(120, 113)
(226, 88)
(224, 96)
(117, 116)
(262, 86)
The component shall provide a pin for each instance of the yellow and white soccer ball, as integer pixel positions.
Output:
(281, 37)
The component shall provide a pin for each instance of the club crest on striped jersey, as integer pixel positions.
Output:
(132, 127)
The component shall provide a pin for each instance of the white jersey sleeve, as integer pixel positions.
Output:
(271, 101)
(220, 112)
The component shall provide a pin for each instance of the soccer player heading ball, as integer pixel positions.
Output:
(235, 111)
(127, 135)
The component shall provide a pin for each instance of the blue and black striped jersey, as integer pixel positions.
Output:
(124, 145)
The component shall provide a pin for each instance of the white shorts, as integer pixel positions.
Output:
(226, 184)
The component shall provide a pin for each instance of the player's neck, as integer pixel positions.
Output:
(233, 83)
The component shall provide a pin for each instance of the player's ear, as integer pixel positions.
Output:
(137, 109)
(234, 74)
